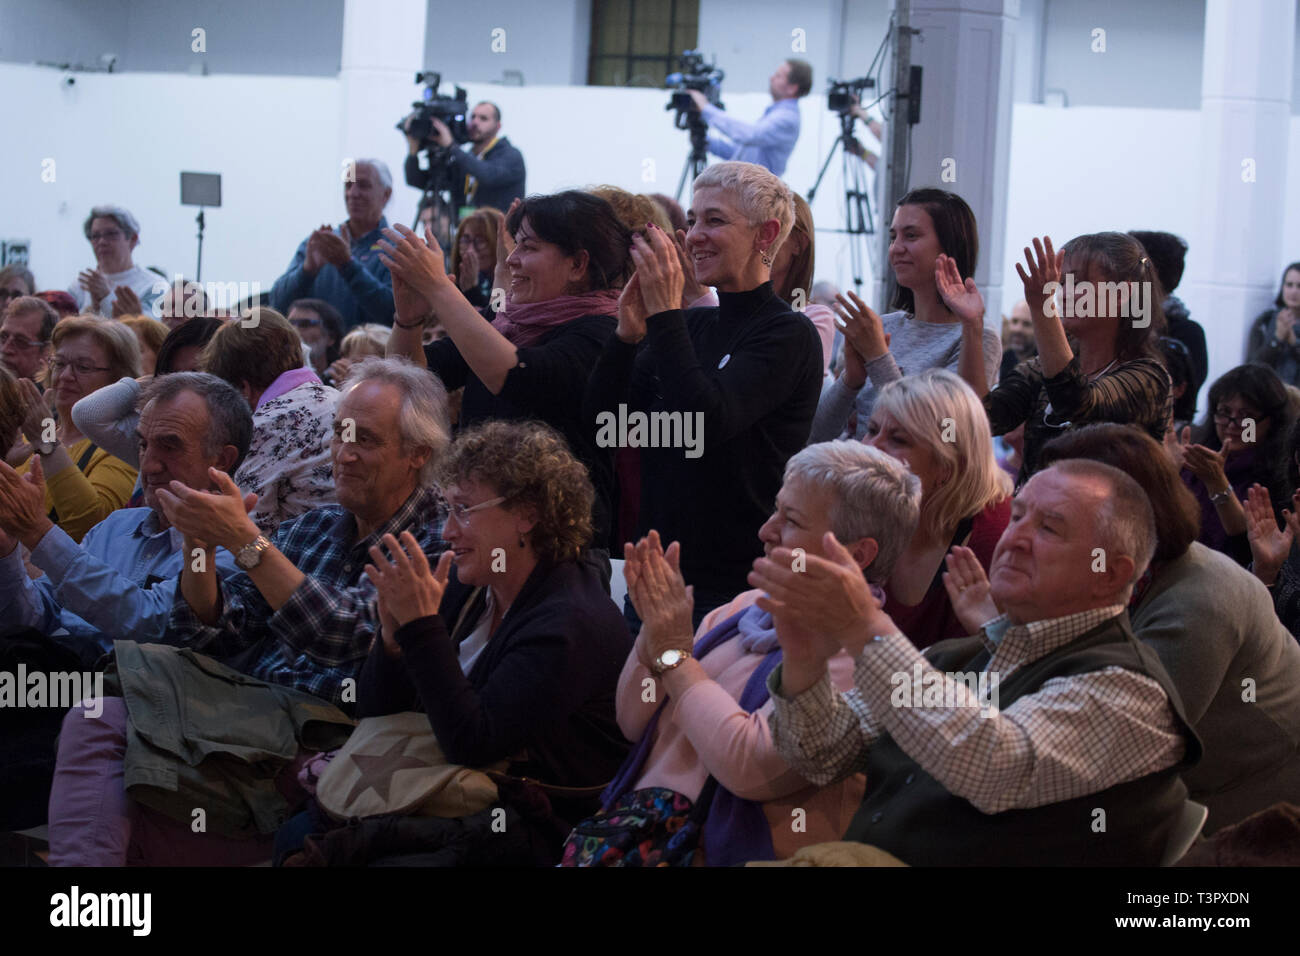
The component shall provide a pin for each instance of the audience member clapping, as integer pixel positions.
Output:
(961, 770)
(938, 317)
(1275, 560)
(84, 483)
(365, 341)
(113, 233)
(1273, 339)
(706, 727)
(568, 258)
(342, 266)
(474, 256)
(320, 327)
(1097, 354)
(25, 335)
(1240, 443)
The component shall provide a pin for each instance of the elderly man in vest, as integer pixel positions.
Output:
(1050, 738)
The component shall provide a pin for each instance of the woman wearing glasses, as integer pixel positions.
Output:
(1097, 359)
(83, 483)
(1241, 443)
(510, 645)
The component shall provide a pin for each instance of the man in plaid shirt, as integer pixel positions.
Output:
(302, 614)
(1078, 764)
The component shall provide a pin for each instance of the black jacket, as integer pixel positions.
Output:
(500, 174)
(543, 686)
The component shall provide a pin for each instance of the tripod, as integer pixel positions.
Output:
(698, 157)
(437, 196)
(859, 221)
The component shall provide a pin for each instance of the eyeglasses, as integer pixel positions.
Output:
(19, 341)
(1222, 417)
(106, 236)
(461, 513)
(304, 323)
(58, 366)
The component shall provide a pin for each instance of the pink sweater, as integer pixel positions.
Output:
(706, 731)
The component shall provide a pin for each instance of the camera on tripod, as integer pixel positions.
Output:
(842, 96)
(697, 75)
(450, 110)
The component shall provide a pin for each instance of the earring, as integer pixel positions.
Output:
(766, 256)
(522, 542)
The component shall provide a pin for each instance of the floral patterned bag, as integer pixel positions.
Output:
(651, 827)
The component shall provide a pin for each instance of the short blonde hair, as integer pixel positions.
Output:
(633, 210)
(365, 340)
(121, 347)
(759, 194)
(931, 406)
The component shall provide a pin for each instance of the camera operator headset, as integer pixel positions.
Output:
(770, 141)
(489, 173)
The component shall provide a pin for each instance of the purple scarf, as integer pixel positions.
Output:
(526, 324)
(737, 829)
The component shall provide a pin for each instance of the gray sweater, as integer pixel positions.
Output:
(913, 347)
(1237, 670)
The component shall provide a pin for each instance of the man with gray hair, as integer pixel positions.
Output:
(1076, 761)
(341, 265)
(117, 583)
(113, 232)
(291, 632)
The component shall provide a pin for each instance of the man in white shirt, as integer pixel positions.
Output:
(113, 232)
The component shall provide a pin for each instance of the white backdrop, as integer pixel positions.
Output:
(124, 139)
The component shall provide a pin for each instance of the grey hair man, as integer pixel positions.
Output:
(341, 264)
(113, 234)
(1078, 762)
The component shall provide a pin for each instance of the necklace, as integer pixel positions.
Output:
(1096, 375)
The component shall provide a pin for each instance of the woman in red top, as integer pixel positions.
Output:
(935, 423)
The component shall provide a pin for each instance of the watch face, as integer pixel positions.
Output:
(669, 658)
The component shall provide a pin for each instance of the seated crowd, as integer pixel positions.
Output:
(345, 565)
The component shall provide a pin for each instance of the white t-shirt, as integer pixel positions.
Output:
(147, 285)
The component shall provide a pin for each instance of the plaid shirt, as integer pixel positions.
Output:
(320, 637)
(1073, 736)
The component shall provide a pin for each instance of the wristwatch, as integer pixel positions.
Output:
(1221, 497)
(673, 657)
(250, 555)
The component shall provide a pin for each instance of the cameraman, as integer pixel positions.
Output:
(489, 173)
(770, 141)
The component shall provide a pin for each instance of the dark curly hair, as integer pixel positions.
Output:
(578, 221)
(530, 465)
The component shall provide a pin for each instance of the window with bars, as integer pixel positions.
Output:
(639, 42)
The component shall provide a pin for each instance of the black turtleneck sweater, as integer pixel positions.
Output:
(753, 369)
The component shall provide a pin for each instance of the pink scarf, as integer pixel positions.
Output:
(525, 324)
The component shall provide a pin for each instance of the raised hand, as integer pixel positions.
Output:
(333, 248)
(968, 589)
(1046, 265)
(419, 264)
(126, 302)
(312, 258)
(93, 281)
(36, 414)
(961, 297)
(406, 585)
(659, 269)
(469, 267)
(662, 601)
(632, 312)
(1269, 545)
(1207, 465)
(1284, 328)
(218, 517)
(23, 513)
(861, 327)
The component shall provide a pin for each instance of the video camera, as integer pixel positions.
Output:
(450, 110)
(842, 96)
(694, 74)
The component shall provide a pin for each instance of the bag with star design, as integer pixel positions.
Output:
(393, 764)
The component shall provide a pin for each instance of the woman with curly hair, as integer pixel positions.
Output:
(511, 645)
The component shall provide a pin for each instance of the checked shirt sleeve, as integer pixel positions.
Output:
(824, 735)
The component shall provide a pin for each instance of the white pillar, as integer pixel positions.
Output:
(966, 50)
(1234, 270)
(383, 48)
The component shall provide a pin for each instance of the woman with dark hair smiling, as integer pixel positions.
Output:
(937, 317)
(1212, 626)
(532, 361)
(748, 372)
